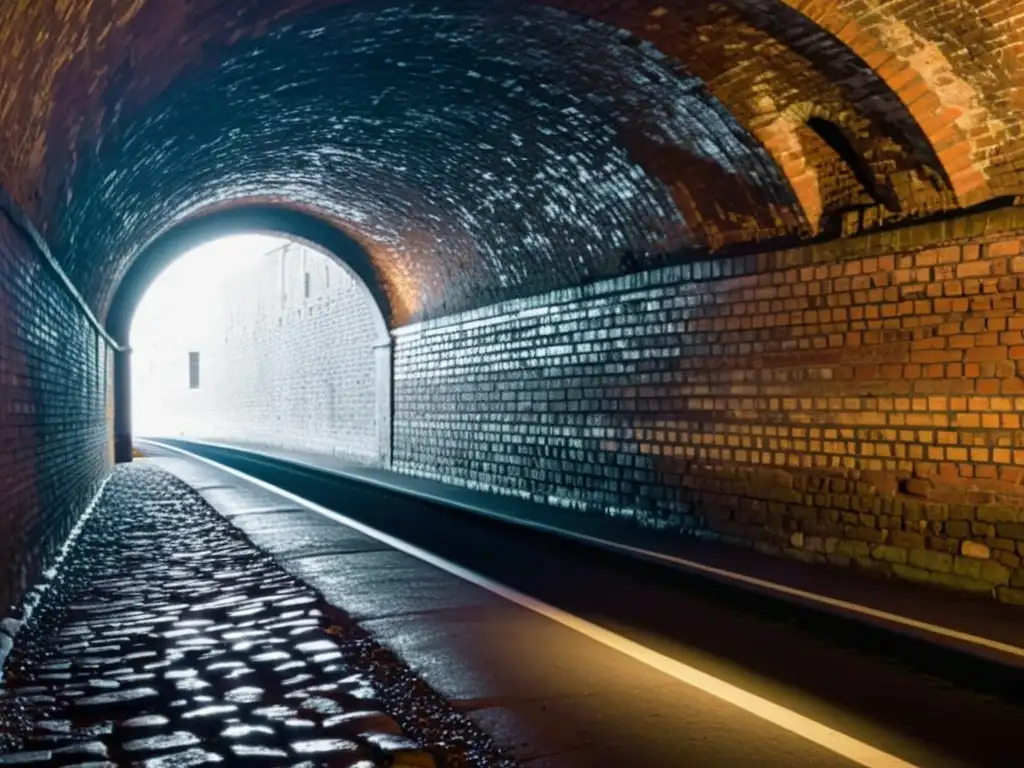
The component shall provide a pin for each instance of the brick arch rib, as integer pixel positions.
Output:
(933, 94)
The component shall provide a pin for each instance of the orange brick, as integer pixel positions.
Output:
(937, 356)
(988, 387)
(956, 454)
(1003, 248)
(1012, 386)
(986, 354)
(986, 471)
(974, 269)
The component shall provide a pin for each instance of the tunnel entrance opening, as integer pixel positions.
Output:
(262, 341)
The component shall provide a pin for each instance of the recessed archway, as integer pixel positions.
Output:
(295, 226)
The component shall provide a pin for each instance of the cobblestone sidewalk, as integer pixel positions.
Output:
(168, 639)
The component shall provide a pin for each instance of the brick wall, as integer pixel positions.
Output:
(278, 367)
(55, 428)
(857, 403)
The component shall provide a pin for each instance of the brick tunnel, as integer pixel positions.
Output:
(745, 270)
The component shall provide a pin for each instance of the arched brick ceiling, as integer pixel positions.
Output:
(482, 150)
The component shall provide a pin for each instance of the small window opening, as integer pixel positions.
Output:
(834, 136)
(306, 284)
(193, 370)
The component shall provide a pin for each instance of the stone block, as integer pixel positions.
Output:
(994, 572)
(975, 549)
(958, 529)
(1010, 559)
(997, 513)
(907, 539)
(1013, 531)
(889, 553)
(930, 560)
(1006, 545)
(870, 535)
(969, 567)
(1010, 595)
(853, 548)
(911, 573)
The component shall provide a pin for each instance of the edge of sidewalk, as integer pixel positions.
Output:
(759, 573)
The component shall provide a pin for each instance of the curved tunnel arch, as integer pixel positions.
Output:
(493, 167)
(697, 145)
(946, 105)
(267, 219)
(253, 218)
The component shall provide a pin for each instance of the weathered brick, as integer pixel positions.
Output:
(1010, 595)
(969, 567)
(931, 560)
(975, 550)
(1011, 531)
(994, 572)
(889, 553)
(907, 540)
(55, 438)
(997, 513)
(958, 529)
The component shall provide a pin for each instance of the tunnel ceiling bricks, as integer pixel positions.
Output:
(936, 124)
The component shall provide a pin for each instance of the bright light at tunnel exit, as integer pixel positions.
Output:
(183, 301)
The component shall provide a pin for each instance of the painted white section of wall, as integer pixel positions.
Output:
(291, 348)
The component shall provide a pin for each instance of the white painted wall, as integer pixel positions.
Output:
(280, 365)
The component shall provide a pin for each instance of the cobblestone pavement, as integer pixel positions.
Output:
(166, 639)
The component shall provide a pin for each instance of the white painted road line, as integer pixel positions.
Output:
(804, 727)
(692, 565)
